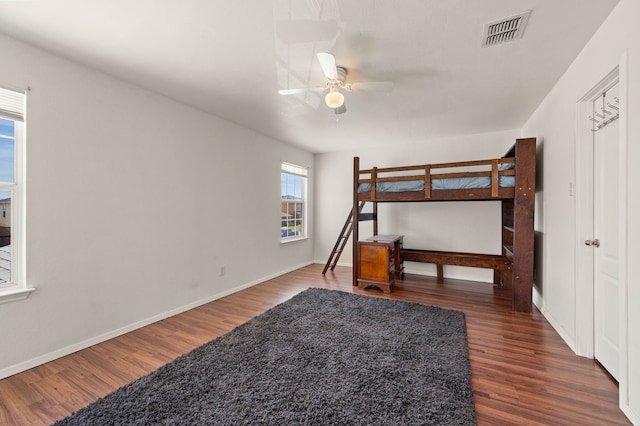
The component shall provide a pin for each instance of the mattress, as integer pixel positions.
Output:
(451, 183)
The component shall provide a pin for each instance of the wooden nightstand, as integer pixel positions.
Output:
(380, 262)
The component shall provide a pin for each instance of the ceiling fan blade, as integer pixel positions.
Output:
(369, 86)
(341, 109)
(300, 90)
(328, 64)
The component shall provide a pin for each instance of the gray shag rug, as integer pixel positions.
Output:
(322, 357)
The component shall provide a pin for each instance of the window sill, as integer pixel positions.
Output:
(293, 240)
(9, 296)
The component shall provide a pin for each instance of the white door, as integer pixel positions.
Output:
(605, 242)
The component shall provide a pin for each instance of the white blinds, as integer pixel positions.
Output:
(294, 170)
(12, 104)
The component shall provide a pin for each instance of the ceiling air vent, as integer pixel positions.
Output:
(506, 29)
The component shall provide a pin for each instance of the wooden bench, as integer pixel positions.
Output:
(489, 261)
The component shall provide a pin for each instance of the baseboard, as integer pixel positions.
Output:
(59, 353)
(410, 270)
(568, 339)
(633, 417)
(324, 262)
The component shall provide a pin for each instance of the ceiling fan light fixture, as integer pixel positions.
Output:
(334, 99)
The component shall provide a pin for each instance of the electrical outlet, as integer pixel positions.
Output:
(222, 270)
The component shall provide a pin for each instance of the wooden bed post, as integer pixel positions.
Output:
(495, 181)
(427, 182)
(523, 223)
(375, 218)
(356, 220)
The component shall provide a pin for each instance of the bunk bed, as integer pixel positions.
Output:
(509, 180)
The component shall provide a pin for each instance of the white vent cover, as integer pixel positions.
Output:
(506, 29)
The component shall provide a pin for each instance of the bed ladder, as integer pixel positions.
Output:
(342, 240)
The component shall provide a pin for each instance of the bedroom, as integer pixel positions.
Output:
(93, 249)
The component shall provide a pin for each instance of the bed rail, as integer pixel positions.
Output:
(425, 174)
(474, 260)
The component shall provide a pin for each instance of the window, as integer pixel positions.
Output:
(293, 194)
(12, 108)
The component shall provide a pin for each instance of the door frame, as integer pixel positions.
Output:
(584, 203)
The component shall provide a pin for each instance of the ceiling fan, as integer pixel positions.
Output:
(336, 81)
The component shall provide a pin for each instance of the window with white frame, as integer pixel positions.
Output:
(293, 194)
(12, 111)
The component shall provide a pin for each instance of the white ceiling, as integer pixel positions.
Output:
(230, 57)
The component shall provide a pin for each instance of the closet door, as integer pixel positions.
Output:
(605, 242)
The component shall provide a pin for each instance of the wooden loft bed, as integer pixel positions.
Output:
(509, 180)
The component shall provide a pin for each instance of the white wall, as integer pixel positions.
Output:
(555, 122)
(134, 202)
(437, 226)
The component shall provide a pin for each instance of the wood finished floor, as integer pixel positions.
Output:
(522, 371)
